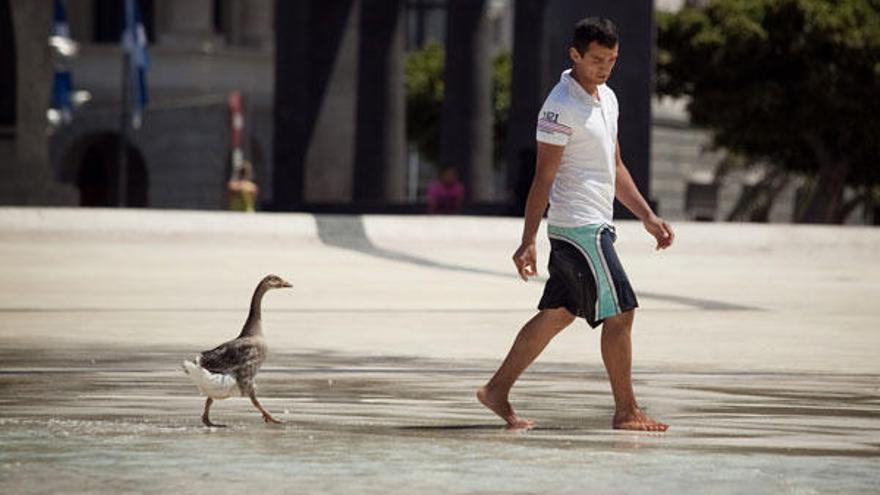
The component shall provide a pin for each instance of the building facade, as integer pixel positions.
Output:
(339, 81)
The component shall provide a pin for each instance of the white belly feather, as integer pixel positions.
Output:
(213, 385)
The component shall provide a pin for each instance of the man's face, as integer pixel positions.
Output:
(596, 63)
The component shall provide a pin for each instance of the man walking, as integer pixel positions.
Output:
(580, 172)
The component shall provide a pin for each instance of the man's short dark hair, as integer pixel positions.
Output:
(590, 29)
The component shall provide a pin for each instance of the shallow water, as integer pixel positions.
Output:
(107, 421)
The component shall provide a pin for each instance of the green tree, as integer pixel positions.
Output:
(793, 83)
(424, 99)
(502, 75)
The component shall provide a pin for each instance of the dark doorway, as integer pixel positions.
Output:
(7, 66)
(98, 174)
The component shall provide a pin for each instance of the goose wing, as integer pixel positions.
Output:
(230, 356)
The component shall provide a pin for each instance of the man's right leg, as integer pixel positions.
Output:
(529, 343)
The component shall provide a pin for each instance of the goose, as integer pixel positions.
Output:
(229, 369)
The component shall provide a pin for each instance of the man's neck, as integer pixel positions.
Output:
(591, 89)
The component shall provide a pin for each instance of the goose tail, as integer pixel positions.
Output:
(213, 385)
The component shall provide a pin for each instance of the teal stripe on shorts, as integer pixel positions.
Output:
(586, 239)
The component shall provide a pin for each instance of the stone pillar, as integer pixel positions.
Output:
(466, 140)
(256, 24)
(632, 79)
(249, 22)
(315, 101)
(290, 137)
(380, 172)
(331, 70)
(28, 179)
(81, 16)
(31, 23)
(188, 23)
(525, 99)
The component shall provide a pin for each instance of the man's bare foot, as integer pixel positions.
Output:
(637, 420)
(501, 407)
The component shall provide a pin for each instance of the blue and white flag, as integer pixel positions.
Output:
(62, 85)
(134, 42)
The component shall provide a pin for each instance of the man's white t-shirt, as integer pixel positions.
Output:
(583, 191)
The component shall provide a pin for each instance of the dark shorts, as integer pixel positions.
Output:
(586, 276)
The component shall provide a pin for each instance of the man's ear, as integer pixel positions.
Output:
(574, 55)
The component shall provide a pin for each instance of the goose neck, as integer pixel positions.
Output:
(255, 313)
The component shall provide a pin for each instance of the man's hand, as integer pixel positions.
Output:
(661, 231)
(525, 259)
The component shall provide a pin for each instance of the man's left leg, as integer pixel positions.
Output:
(617, 355)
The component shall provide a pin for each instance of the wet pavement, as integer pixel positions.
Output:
(109, 421)
(376, 353)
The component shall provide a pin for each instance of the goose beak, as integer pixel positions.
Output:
(286, 284)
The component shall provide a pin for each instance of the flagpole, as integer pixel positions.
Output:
(123, 131)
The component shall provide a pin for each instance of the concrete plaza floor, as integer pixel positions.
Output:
(758, 344)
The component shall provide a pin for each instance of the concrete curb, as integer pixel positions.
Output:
(155, 222)
(409, 228)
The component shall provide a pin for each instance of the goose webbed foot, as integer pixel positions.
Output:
(205, 419)
(269, 419)
(266, 416)
(211, 424)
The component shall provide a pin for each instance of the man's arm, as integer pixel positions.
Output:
(546, 166)
(627, 193)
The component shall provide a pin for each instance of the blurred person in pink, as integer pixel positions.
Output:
(446, 193)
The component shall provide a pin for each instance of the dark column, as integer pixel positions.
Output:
(315, 95)
(331, 71)
(466, 140)
(380, 148)
(290, 136)
(632, 79)
(526, 98)
(7, 66)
